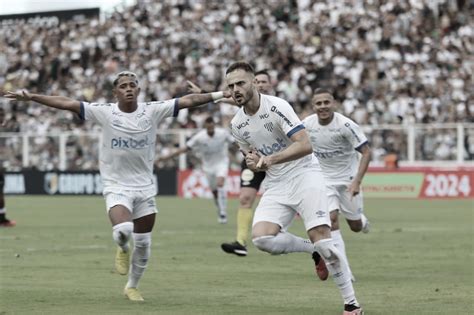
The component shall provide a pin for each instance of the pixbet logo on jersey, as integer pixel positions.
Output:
(129, 143)
(275, 147)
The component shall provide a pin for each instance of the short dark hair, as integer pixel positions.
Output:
(124, 74)
(322, 91)
(209, 120)
(263, 72)
(242, 65)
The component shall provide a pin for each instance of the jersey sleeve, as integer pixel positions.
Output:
(96, 112)
(242, 143)
(354, 134)
(287, 118)
(164, 109)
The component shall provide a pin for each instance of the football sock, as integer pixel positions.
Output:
(3, 212)
(283, 243)
(140, 256)
(337, 268)
(244, 222)
(222, 200)
(121, 234)
(339, 243)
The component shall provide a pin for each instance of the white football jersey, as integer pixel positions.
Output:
(127, 153)
(211, 150)
(335, 147)
(269, 131)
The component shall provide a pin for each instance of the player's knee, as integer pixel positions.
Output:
(142, 240)
(246, 201)
(122, 232)
(266, 243)
(327, 250)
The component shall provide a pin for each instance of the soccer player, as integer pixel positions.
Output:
(337, 143)
(273, 139)
(4, 222)
(211, 145)
(250, 183)
(126, 163)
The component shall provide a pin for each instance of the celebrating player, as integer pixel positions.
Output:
(126, 163)
(337, 142)
(211, 145)
(274, 140)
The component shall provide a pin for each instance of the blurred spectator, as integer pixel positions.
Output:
(389, 61)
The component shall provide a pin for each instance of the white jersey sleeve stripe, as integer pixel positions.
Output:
(361, 145)
(294, 130)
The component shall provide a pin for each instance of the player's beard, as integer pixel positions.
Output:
(246, 98)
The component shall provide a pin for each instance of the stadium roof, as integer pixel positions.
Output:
(30, 6)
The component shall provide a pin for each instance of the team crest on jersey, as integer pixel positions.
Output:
(268, 126)
(144, 124)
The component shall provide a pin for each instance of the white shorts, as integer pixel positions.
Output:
(340, 198)
(304, 194)
(140, 203)
(212, 173)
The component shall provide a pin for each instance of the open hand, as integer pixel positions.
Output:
(22, 95)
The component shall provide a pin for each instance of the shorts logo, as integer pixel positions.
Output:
(320, 214)
(269, 126)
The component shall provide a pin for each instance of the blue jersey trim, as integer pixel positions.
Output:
(176, 107)
(81, 112)
(294, 130)
(361, 145)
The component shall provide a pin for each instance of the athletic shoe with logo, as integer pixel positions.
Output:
(320, 266)
(234, 248)
(133, 294)
(351, 309)
(122, 261)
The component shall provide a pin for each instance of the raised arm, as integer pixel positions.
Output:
(59, 102)
(193, 88)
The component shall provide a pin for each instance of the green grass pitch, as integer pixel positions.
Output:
(417, 259)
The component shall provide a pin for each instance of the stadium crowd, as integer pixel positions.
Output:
(387, 61)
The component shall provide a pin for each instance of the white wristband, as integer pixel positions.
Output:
(217, 95)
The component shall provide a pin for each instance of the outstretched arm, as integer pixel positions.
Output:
(59, 102)
(193, 100)
(193, 88)
(172, 155)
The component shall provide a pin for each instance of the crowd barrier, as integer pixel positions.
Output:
(406, 182)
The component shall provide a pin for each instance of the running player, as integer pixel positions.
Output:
(273, 139)
(126, 163)
(211, 146)
(337, 143)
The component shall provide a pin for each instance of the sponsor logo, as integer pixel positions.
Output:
(264, 116)
(274, 147)
(129, 143)
(285, 119)
(268, 126)
(328, 155)
(242, 125)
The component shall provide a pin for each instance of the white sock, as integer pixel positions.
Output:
(339, 243)
(122, 233)
(337, 268)
(140, 255)
(283, 243)
(222, 201)
(3, 210)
